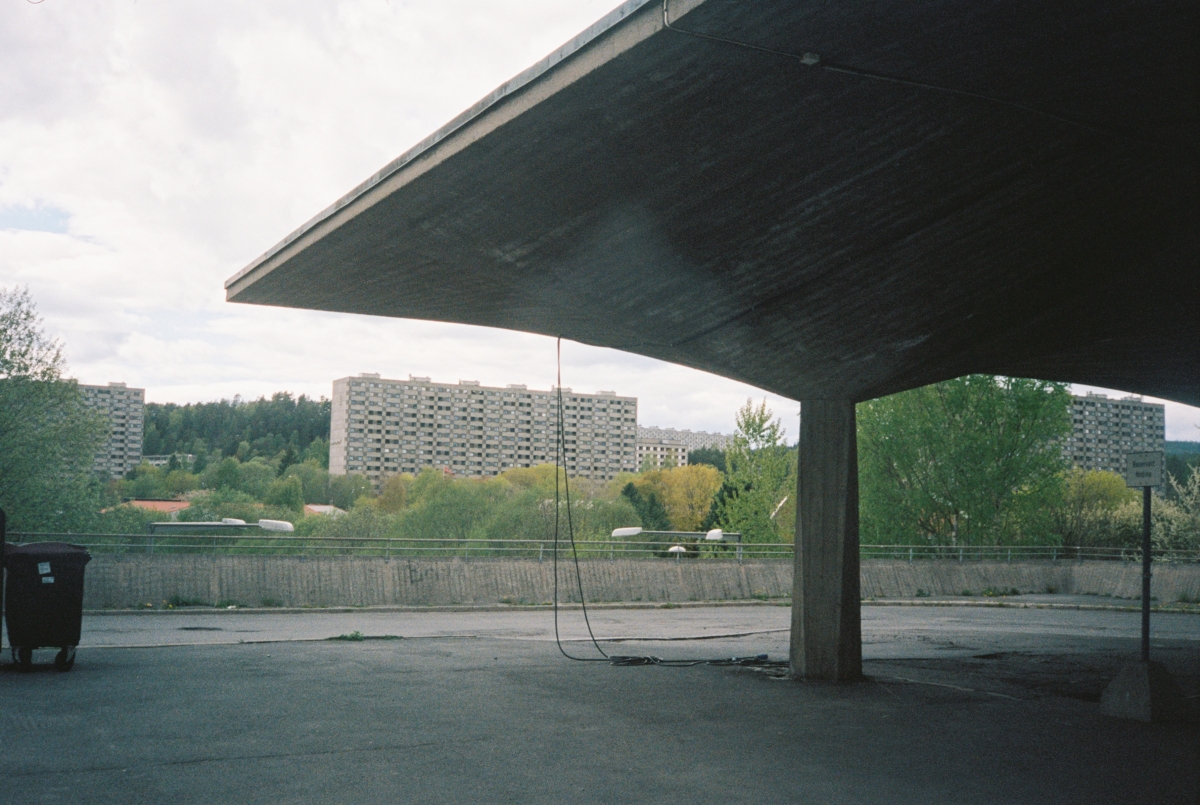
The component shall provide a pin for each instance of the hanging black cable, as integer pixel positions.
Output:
(560, 461)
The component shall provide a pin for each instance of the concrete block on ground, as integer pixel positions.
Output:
(1145, 691)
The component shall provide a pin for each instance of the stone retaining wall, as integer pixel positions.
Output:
(129, 581)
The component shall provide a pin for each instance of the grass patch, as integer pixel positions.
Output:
(922, 593)
(967, 593)
(270, 603)
(993, 592)
(1051, 589)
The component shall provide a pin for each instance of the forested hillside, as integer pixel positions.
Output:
(239, 428)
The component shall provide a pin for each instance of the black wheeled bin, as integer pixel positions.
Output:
(43, 599)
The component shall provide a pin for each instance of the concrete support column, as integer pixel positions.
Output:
(826, 625)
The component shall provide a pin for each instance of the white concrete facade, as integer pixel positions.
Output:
(186, 460)
(125, 409)
(659, 453)
(691, 439)
(381, 427)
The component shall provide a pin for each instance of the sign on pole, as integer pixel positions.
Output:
(1143, 469)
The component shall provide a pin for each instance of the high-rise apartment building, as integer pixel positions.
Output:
(659, 453)
(691, 439)
(382, 427)
(125, 409)
(1105, 430)
(668, 447)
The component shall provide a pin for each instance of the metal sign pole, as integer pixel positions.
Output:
(3, 524)
(1146, 573)
(1145, 470)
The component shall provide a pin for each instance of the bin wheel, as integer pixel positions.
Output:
(23, 657)
(65, 659)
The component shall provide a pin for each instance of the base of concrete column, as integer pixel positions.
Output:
(1145, 691)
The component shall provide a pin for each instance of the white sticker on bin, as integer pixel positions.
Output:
(47, 579)
(43, 568)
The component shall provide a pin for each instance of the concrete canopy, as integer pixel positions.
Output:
(827, 200)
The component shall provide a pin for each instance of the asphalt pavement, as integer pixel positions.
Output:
(962, 704)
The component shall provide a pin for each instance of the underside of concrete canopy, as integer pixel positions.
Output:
(830, 200)
(823, 199)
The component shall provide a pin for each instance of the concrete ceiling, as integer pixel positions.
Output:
(822, 199)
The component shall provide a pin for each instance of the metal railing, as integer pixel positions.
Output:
(1005, 553)
(290, 545)
(543, 549)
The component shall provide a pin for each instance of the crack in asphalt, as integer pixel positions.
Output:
(235, 758)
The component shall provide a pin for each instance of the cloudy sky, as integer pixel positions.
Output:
(151, 149)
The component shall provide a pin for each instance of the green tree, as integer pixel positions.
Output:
(267, 426)
(444, 508)
(255, 477)
(393, 496)
(344, 490)
(224, 475)
(314, 478)
(1090, 499)
(977, 459)
(522, 515)
(144, 481)
(708, 455)
(649, 508)
(48, 437)
(318, 451)
(180, 482)
(1181, 459)
(684, 493)
(760, 477)
(287, 493)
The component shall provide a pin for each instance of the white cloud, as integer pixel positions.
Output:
(165, 145)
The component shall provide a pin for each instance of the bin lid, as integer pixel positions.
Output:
(46, 549)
